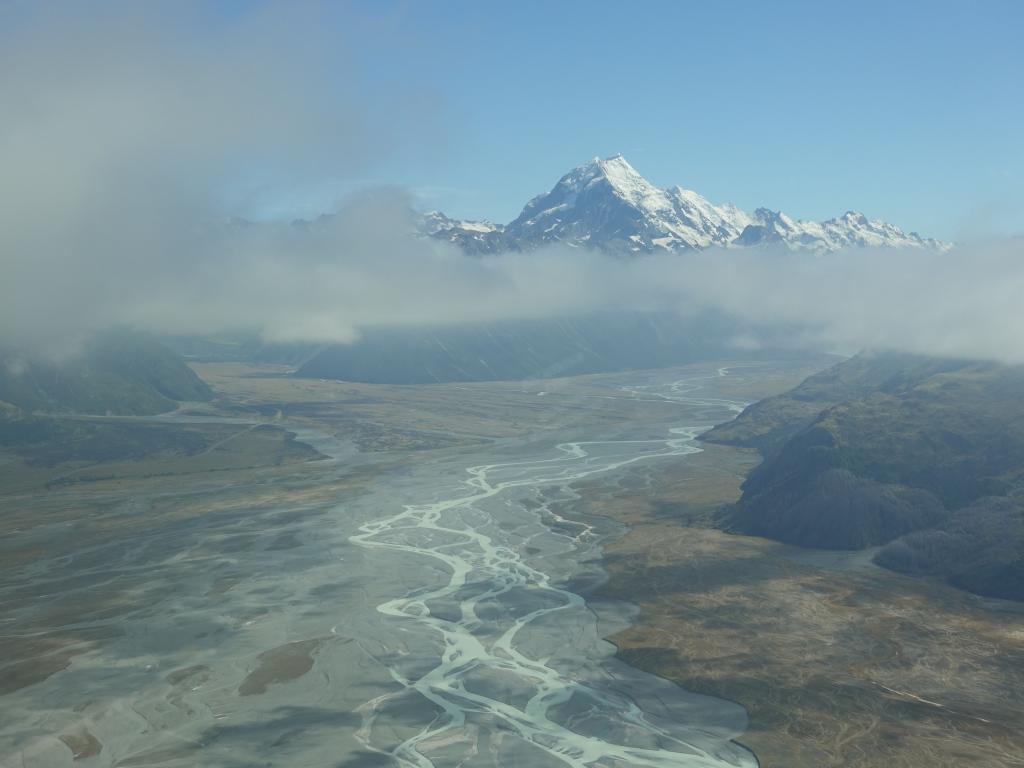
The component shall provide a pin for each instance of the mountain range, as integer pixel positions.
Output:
(606, 204)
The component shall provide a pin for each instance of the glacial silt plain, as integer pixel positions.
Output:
(424, 583)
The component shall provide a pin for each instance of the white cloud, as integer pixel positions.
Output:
(123, 128)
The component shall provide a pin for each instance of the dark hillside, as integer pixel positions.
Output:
(897, 445)
(119, 372)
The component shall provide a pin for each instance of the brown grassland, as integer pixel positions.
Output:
(838, 662)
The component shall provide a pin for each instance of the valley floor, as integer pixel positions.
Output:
(203, 583)
(191, 589)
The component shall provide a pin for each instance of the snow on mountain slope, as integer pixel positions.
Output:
(606, 204)
(852, 229)
(472, 236)
(433, 222)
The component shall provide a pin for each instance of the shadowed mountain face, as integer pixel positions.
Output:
(980, 548)
(528, 349)
(118, 372)
(884, 445)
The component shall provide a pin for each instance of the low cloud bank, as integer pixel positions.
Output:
(122, 134)
(963, 303)
(324, 281)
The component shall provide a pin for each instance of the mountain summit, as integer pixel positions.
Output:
(607, 204)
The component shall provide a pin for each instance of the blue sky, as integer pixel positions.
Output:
(909, 111)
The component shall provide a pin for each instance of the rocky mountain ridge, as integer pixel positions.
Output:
(606, 204)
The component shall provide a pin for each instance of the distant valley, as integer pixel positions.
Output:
(537, 348)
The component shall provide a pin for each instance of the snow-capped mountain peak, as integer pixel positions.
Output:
(621, 177)
(614, 176)
(607, 204)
